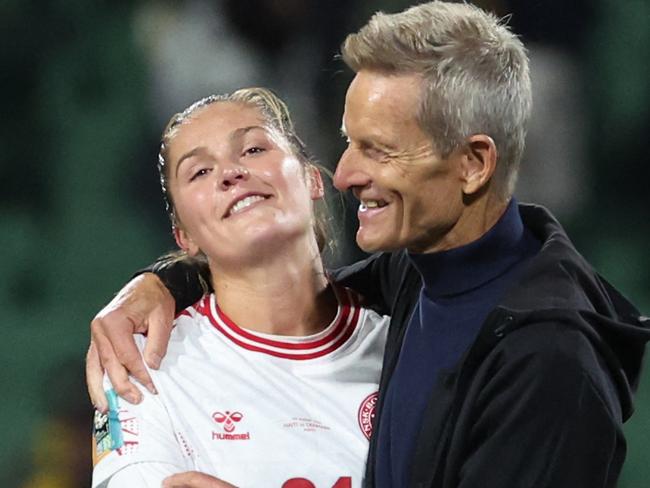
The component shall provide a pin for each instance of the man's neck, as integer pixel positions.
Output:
(477, 218)
(286, 294)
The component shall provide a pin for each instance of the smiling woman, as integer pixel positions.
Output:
(239, 190)
(271, 380)
(268, 115)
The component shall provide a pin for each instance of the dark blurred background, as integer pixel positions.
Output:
(88, 86)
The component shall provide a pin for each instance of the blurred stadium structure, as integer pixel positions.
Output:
(88, 86)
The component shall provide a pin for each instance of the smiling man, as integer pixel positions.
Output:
(412, 196)
(510, 362)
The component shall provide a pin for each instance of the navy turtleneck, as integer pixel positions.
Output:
(460, 287)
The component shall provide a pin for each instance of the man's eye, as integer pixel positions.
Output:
(253, 150)
(374, 153)
(199, 173)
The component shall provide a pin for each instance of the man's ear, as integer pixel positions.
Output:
(315, 182)
(479, 162)
(185, 242)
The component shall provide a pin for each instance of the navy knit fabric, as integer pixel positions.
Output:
(460, 287)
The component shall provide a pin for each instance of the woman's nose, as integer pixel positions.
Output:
(232, 175)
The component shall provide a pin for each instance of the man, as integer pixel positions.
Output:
(510, 362)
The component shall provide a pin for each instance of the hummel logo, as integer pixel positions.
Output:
(228, 420)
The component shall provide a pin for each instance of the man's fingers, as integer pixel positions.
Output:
(116, 372)
(194, 479)
(142, 301)
(116, 331)
(161, 322)
(129, 356)
(95, 380)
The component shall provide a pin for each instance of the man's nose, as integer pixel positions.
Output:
(350, 172)
(232, 175)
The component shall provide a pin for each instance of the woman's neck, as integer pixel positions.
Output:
(285, 294)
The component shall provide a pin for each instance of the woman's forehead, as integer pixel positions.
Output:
(216, 121)
(221, 123)
(226, 115)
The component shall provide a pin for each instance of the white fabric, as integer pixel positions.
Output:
(141, 475)
(258, 410)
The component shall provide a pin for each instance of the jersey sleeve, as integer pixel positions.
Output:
(131, 436)
(142, 475)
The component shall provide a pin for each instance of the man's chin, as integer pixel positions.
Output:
(374, 243)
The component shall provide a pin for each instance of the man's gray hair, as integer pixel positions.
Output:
(475, 71)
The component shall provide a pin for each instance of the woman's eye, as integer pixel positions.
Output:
(253, 150)
(199, 173)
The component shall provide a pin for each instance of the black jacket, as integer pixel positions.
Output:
(540, 397)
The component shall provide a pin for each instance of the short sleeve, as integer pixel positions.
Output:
(130, 434)
(142, 475)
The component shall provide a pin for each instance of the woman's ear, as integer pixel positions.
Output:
(185, 242)
(479, 163)
(315, 182)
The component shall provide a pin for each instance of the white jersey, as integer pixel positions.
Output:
(253, 409)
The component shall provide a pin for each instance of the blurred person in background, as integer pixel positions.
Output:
(510, 362)
(271, 379)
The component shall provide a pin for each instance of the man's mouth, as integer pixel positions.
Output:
(243, 204)
(366, 205)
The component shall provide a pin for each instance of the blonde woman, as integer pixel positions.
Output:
(271, 380)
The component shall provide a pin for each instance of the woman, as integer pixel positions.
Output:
(271, 380)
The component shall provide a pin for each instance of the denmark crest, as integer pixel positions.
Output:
(367, 414)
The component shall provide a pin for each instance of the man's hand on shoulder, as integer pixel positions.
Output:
(143, 305)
